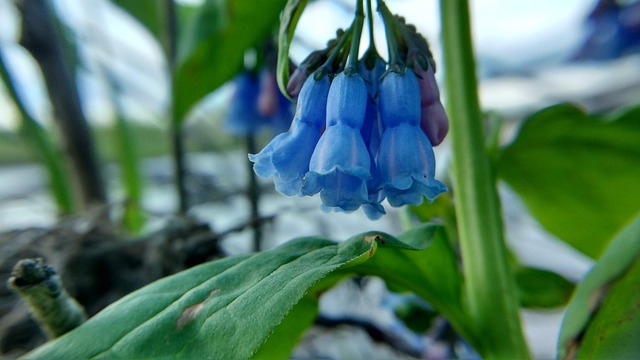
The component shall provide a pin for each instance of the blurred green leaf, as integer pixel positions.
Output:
(214, 44)
(415, 315)
(577, 174)
(542, 289)
(43, 145)
(423, 262)
(288, 23)
(603, 318)
(148, 12)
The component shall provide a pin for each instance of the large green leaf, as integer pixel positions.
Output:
(225, 309)
(577, 174)
(422, 261)
(603, 318)
(214, 44)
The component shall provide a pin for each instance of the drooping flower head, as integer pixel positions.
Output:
(364, 128)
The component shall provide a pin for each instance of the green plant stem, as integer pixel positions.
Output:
(171, 43)
(358, 24)
(489, 284)
(327, 67)
(253, 193)
(372, 42)
(392, 41)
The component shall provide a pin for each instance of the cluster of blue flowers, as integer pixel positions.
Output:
(359, 136)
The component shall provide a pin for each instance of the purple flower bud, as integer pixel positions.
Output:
(296, 80)
(433, 120)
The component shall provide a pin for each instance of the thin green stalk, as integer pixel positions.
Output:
(171, 43)
(489, 284)
(358, 24)
(131, 177)
(327, 67)
(253, 193)
(372, 42)
(392, 41)
(51, 157)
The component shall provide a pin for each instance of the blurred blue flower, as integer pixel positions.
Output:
(257, 103)
(340, 164)
(273, 105)
(286, 158)
(243, 117)
(405, 158)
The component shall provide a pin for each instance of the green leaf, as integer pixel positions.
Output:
(603, 318)
(542, 289)
(214, 44)
(577, 174)
(290, 16)
(147, 12)
(42, 144)
(222, 310)
(422, 261)
(286, 336)
(259, 305)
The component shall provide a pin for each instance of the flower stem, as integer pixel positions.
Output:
(358, 24)
(392, 41)
(327, 67)
(372, 43)
(489, 285)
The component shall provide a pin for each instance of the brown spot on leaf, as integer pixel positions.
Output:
(190, 312)
(372, 238)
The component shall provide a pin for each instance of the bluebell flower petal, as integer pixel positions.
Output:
(262, 165)
(339, 191)
(405, 160)
(399, 99)
(341, 148)
(415, 194)
(286, 158)
(347, 101)
(373, 211)
(372, 76)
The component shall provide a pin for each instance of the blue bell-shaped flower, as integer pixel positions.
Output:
(405, 159)
(340, 165)
(243, 117)
(286, 158)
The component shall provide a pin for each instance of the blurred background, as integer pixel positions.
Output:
(529, 55)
